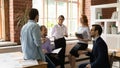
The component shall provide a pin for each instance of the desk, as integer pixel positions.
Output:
(15, 60)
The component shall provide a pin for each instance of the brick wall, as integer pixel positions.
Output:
(96, 2)
(87, 9)
(107, 12)
(16, 10)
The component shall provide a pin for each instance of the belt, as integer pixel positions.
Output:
(59, 38)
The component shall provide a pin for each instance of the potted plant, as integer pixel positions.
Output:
(21, 19)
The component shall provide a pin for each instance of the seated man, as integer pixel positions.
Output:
(47, 48)
(99, 54)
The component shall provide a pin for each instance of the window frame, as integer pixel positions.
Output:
(46, 19)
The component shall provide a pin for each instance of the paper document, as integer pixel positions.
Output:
(56, 50)
(26, 63)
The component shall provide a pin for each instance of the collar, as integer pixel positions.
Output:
(31, 21)
(59, 25)
(96, 38)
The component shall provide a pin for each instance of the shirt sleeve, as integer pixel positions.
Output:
(36, 35)
(53, 30)
(66, 32)
(49, 47)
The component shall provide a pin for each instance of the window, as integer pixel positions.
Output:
(49, 11)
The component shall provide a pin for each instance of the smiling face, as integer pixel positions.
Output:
(44, 31)
(93, 32)
(96, 30)
(60, 19)
(84, 20)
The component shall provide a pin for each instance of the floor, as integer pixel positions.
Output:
(77, 64)
(115, 64)
(7, 43)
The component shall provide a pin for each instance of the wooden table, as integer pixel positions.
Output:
(15, 60)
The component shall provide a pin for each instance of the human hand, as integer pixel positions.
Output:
(82, 52)
(43, 40)
(89, 50)
(80, 38)
(88, 66)
(44, 51)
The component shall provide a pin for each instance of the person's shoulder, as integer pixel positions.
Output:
(86, 28)
(35, 25)
(55, 26)
(64, 26)
(100, 41)
(83, 27)
(47, 38)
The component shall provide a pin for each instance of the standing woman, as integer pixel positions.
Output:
(59, 31)
(83, 41)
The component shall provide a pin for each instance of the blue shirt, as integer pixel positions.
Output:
(31, 42)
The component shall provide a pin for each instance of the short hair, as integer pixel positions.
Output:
(61, 17)
(41, 27)
(33, 13)
(98, 28)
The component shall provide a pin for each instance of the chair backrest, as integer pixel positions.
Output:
(111, 58)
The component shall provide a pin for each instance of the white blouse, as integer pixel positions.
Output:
(59, 31)
(85, 31)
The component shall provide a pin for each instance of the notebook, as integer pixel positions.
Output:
(79, 35)
(56, 50)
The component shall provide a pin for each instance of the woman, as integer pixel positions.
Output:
(59, 31)
(83, 35)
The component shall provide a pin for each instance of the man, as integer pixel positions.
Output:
(51, 58)
(99, 54)
(59, 31)
(30, 38)
(46, 46)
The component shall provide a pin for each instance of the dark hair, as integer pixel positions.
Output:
(61, 17)
(84, 19)
(33, 13)
(98, 28)
(41, 27)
